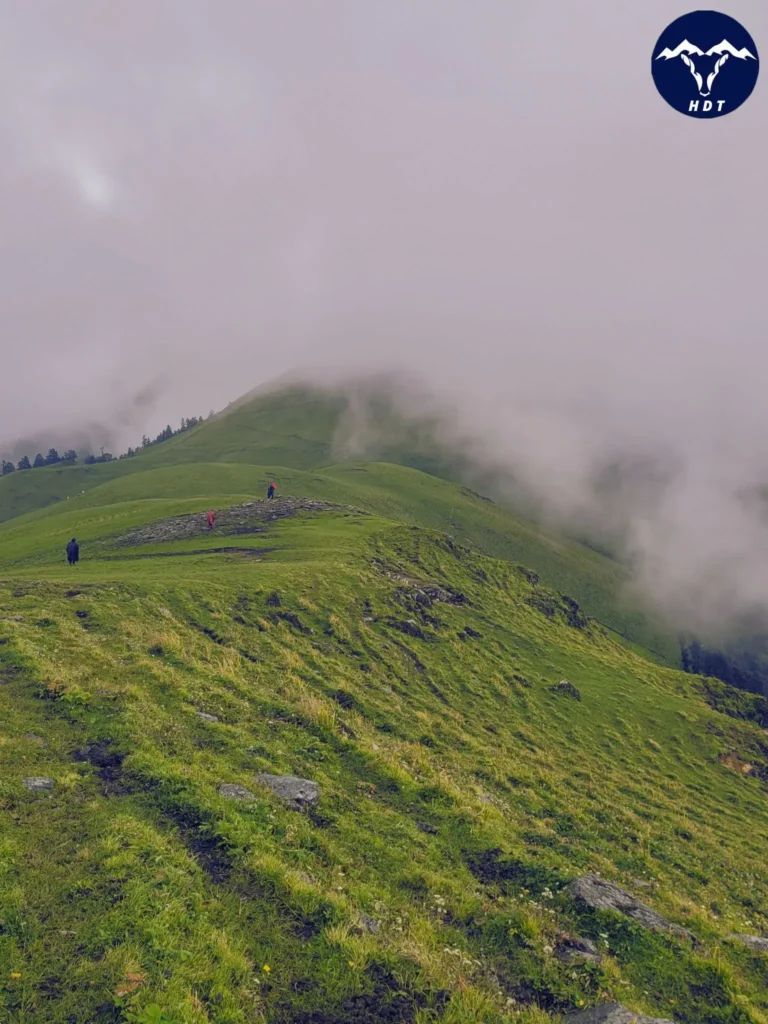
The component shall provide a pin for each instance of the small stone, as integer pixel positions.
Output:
(577, 950)
(205, 717)
(758, 943)
(612, 1013)
(602, 895)
(424, 826)
(368, 924)
(566, 689)
(410, 627)
(294, 792)
(232, 791)
(38, 784)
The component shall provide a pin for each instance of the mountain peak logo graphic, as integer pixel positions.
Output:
(689, 48)
(723, 50)
(687, 74)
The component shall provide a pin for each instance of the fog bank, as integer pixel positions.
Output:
(493, 201)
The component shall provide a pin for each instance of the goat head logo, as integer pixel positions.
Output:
(687, 52)
(705, 78)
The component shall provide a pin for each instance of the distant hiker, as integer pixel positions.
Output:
(73, 552)
(271, 491)
(211, 519)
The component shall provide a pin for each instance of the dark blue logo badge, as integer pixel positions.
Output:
(705, 64)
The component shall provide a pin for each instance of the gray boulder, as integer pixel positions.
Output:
(757, 943)
(38, 784)
(602, 895)
(366, 923)
(232, 791)
(295, 793)
(205, 717)
(576, 950)
(566, 689)
(612, 1013)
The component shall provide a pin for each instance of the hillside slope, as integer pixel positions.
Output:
(461, 788)
(271, 434)
(293, 428)
(400, 493)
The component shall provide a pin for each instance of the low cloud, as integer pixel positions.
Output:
(493, 202)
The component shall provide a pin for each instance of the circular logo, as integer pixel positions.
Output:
(705, 64)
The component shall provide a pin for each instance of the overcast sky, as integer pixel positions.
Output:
(196, 197)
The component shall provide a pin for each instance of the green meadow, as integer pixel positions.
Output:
(402, 649)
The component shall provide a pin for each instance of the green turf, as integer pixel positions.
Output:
(276, 434)
(398, 492)
(459, 793)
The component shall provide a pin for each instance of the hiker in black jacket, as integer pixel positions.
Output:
(73, 552)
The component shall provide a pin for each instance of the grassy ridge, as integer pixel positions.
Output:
(298, 436)
(396, 492)
(459, 792)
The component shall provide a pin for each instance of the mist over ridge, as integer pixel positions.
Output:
(495, 208)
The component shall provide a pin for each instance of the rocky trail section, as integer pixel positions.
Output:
(250, 517)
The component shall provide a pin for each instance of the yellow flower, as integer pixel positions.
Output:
(15, 974)
(267, 968)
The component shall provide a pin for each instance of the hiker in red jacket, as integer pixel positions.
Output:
(271, 490)
(211, 519)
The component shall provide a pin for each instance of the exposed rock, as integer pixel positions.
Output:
(612, 1013)
(566, 689)
(602, 895)
(250, 517)
(424, 826)
(758, 943)
(38, 784)
(293, 620)
(343, 699)
(368, 924)
(735, 763)
(232, 791)
(576, 950)
(205, 717)
(295, 793)
(408, 626)
(558, 606)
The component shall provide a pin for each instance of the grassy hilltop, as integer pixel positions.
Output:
(401, 642)
(300, 429)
